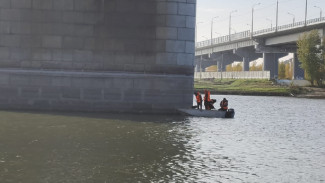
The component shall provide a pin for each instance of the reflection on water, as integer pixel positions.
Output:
(271, 139)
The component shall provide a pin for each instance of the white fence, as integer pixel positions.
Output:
(233, 75)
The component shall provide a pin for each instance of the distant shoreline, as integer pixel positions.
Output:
(257, 88)
(311, 95)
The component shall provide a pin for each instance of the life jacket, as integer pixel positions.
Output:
(224, 104)
(198, 97)
(207, 96)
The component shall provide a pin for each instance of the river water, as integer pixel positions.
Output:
(271, 139)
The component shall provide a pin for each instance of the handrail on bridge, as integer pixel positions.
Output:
(247, 34)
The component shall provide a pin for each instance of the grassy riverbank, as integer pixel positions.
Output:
(247, 87)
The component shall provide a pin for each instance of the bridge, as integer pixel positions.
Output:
(97, 55)
(269, 44)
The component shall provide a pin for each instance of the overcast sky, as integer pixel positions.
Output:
(264, 14)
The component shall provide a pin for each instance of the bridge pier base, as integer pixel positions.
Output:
(246, 61)
(271, 63)
(221, 66)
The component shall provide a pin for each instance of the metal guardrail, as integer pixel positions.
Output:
(247, 34)
(233, 75)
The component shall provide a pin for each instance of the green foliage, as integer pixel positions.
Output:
(242, 86)
(311, 56)
(282, 71)
(236, 67)
(285, 71)
(288, 69)
(212, 68)
(255, 67)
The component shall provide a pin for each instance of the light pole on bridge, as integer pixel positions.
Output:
(212, 28)
(252, 28)
(234, 11)
(320, 12)
(293, 20)
(306, 12)
(277, 16)
(196, 31)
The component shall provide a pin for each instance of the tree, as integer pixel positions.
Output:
(238, 67)
(311, 56)
(256, 67)
(212, 68)
(234, 67)
(229, 68)
(282, 70)
(288, 70)
(323, 60)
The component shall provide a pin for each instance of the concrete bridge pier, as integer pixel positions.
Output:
(271, 63)
(246, 61)
(298, 73)
(202, 62)
(94, 55)
(226, 59)
(248, 55)
(221, 66)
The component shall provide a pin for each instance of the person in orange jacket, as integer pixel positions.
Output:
(198, 99)
(208, 103)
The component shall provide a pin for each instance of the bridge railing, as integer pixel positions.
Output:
(224, 39)
(247, 34)
(233, 75)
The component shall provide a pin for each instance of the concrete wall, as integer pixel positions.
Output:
(233, 75)
(130, 42)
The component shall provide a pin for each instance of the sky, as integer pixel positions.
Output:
(264, 15)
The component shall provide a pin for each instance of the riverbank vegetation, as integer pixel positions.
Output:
(246, 87)
(311, 54)
(235, 67)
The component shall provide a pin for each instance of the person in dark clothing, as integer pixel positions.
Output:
(198, 99)
(224, 105)
(206, 99)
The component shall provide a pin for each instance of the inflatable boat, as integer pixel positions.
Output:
(230, 113)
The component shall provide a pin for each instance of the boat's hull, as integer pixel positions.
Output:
(209, 113)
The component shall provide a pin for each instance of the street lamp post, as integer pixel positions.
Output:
(293, 20)
(230, 23)
(196, 31)
(277, 16)
(252, 28)
(306, 13)
(269, 21)
(212, 28)
(320, 12)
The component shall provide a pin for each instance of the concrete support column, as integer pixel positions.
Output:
(197, 64)
(298, 73)
(248, 55)
(220, 67)
(271, 63)
(246, 61)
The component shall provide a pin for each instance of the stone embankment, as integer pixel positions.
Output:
(313, 92)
